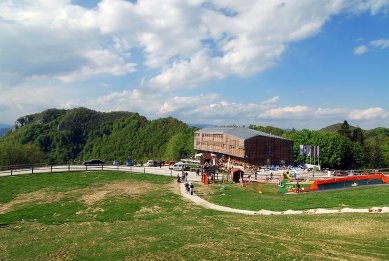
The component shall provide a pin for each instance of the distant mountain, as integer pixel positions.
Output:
(201, 125)
(335, 127)
(3, 131)
(4, 128)
(82, 133)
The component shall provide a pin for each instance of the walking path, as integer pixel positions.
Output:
(205, 204)
(194, 198)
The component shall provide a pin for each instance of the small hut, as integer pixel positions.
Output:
(236, 174)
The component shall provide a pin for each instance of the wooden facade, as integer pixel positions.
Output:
(245, 145)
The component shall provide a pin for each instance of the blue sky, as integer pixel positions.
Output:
(290, 64)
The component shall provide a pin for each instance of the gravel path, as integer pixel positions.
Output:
(205, 204)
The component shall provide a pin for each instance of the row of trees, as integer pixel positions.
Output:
(341, 145)
(16, 154)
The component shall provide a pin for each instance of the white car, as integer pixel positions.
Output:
(151, 163)
(179, 166)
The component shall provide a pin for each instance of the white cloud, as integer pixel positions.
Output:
(360, 50)
(172, 45)
(369, 114)
(330, 112)
(380, 43)
(100, 62)
(186, 42)
(271, 101)
(286, 112)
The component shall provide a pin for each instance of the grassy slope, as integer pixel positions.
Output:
(159, 225)
(248, 197)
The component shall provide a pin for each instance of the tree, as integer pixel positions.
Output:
(16, 154)
(345, 130)
(358, 136)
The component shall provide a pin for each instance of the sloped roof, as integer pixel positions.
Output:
(239, 132)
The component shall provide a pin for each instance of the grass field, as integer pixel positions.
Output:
(231, 195)
(120, 216)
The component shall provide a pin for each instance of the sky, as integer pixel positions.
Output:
(289, 64)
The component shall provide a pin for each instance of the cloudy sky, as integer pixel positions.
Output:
(295, 63)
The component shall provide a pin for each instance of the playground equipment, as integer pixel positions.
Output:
(348, 182)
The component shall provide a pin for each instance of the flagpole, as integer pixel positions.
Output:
(314, 155)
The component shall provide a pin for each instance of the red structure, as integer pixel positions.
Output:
(351, 181)
(236, 174)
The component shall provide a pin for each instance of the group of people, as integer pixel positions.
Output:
(183, 178)
(189, 188)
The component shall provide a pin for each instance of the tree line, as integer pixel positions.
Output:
(59, 136)
(341, 146)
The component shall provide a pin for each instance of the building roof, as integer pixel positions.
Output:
(239, 132)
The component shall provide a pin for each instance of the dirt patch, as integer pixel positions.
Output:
(174, 187)
(204, 190)
(348, 228)
(91, 196)
(148, 211)
(40, 196)
(90, 199)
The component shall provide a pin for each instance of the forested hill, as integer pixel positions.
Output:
(81, 133)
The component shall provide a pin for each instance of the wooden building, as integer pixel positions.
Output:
(244, 145)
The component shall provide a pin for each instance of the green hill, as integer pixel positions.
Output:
(81, 133)
(336, 127)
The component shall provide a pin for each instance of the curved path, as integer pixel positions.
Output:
(201, 202)
(194, 198)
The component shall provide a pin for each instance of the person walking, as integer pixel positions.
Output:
(191, 188)
(187, 187)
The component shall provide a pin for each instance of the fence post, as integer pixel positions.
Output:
(68, 166)
(32, 169)
(86, 167)
(144, 170)
(51, 168)
(11, 171)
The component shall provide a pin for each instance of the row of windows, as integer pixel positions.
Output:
(209, 135)
(217, 144)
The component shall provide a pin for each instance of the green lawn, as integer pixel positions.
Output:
(120, 216)
(231, 195)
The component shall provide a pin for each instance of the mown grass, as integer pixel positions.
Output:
(232, 195)
(160, 225)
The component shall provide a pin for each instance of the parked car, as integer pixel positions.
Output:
(340, 173)
(151, 163)
(93, 162)
(129, 162)
(171, 163)
(179, 166)
(116, 163)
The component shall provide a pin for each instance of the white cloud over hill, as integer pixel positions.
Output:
(172, 45)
